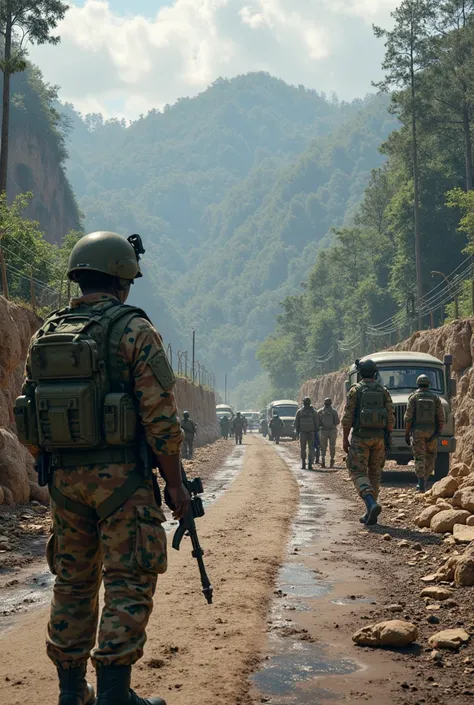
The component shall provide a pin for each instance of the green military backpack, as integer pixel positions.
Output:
(74, 397)
(372, 415)
(425, 410)
(327, 419)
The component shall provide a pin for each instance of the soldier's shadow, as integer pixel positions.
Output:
(408, 534)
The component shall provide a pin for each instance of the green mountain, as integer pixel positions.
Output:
(234, 192)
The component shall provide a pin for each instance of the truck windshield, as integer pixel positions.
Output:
(403, 379)
(286, 410)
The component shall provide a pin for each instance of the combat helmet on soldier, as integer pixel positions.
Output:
(107, 253)
(367, 369)
(423, 381)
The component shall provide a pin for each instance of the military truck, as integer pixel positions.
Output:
(224, 410)
(286, 409)
(398, 371)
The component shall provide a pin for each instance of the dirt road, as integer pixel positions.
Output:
(294, 575)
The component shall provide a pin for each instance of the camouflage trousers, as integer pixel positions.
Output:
(238, 435)
(365, 462)
(328, 437)
(307, 441)
(425, 453)
(188, 445)
(126, 551)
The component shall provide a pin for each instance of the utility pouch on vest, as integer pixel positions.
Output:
(373, 415)
(425, 412)
(120, 419)
(26, 423)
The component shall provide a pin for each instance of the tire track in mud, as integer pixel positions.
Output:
(195, 653)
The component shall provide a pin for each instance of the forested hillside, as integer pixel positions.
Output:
(369, 273)
(234, 192)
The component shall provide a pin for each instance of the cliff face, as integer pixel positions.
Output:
(36, 157)
(17, 475)
(456, 339)
(33, 166)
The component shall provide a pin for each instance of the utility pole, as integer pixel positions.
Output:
(225, 388)
(194, 352)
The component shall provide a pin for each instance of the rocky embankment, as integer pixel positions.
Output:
(17, 475)
(456, 339)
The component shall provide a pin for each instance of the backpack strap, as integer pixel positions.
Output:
(117, 322)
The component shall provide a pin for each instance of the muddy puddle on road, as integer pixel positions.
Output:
(30, 588)
(297, 661)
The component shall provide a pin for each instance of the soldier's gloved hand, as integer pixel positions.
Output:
(179, 500)
(407, 440)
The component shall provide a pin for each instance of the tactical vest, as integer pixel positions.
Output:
(327, 419)
(371, 411)
(76, 404)
(425, 411)
(307, 424)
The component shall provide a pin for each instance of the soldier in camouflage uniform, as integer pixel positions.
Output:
(328, 423)
(238, 427)
(424, 421)
(107, 525)
(225, 427)
(369, 413)
(306, 426)
(275, 425)
(190, 429)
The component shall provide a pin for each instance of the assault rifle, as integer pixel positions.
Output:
(187, 526)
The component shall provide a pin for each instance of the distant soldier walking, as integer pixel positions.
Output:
(276, 424)
(264, 427)
(369, 413)
(306, 426)
(238, 428)
(328, 423)
(225, 427)
(190, 429)
(424, 421)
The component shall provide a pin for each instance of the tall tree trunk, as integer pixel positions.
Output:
(468, 145)
(416, 188)
(6, 108)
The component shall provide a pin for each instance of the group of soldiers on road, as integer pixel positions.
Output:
(105, 420)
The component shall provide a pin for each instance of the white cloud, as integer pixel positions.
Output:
(124, 65)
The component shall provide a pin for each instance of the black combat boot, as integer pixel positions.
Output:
(363, 519)
(373, 510)
(421, 486)
(332, 463)
(113, 688)
(310, 466)
(323, 462)
(303, 464)
(73, 687)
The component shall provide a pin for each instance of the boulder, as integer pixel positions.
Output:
(437, 593)
(470, 521)
(444, 521)
(449, 639)
(465, 499)
(394, 632)
(464, 569)
(38, 494)
(444, 504)
(463, 534)
(460, 470)
(423, 520)
(444, 488)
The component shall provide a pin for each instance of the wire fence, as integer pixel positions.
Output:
(451, 297)
(18, 286)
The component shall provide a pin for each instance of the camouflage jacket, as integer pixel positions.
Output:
(156, 407)
(410, 415)
(349, 417)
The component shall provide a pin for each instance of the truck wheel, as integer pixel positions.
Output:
(442, 466)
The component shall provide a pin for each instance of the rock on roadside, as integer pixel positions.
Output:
(449, 639)
(444, 521)
(393, 632)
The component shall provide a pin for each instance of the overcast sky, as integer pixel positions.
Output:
(124, 57)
